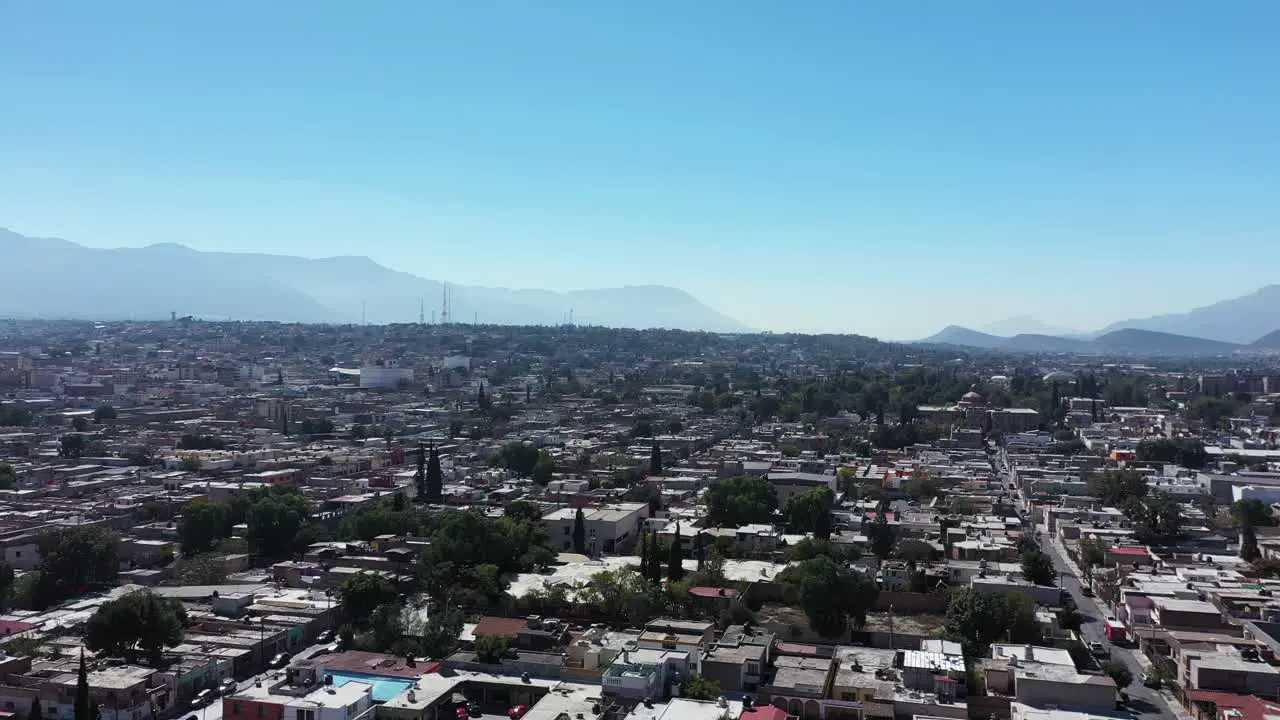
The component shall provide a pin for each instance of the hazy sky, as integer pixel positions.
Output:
(877, 167)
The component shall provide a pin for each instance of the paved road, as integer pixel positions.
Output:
(1144, 701)
(213, 711)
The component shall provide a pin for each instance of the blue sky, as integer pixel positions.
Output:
(876, 167)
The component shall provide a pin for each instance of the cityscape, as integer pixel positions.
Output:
(238, 520)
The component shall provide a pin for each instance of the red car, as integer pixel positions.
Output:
(517, 712)
(462, 713)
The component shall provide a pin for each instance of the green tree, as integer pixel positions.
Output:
(191, 463)
(829, 593)
(1156, 518)
(920, 486)
(81, 708)
(35, 713)
(71, 445)
(362, 594)
(7, 578)
(977, 620)
(1252, 512)
(206, 569)
(1037, 568)
(654, 573)
(275, 516)
(420, 474)
(434, 477)
(104, 413)
(738, 501)
(490, 649)
(544, 468)
(1118, 488)
(579, 533)
(810, 512)
(1249, 551)
(675, 558)
(1119, 673)
(140, 624)
(518, 457)
(881, 538)
(655, 460)
(1187, 452)
(8, 476)
(73, 561)
(700, 687)
(202, 524)
(1091, 555)
(523, 510)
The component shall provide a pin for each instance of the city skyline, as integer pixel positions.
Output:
(849, 169)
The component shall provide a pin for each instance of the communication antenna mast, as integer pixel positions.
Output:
(444, 303)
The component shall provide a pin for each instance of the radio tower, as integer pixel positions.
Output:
(422, 312)
(444, 307)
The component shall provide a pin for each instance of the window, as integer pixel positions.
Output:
(566, 530)
(8, 704)
(306, 715)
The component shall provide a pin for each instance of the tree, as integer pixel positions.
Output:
(1037, 568)
(206, 569)
(6, 584)
(544, 469)
(81, 708)
(1119, 673)
(810, 512)
(920, 486)
(140, 624)
(8, 476)
(518, 457)
(915, 550)
(435, 477)
(420, 474)
(977, 620)
(1118, 487)
(654, 573)
(1252, 512)
(482, 400)
(202, 524)
(1249, 551)
(191, 463)
(1156, 518)
(880, 537)
(523, 510)
(71, 446)
(73, 561)
(644, 554)
(655, 460)
(579, 533)
(275, 516)
(35, 713)
(1187, 452)
(104, 413)
(675, 559)
(490, 648)
(829, 593)
(700, 687)
(738, 501)
(1091, 555)
(362, 594)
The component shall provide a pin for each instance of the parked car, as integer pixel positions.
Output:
(1086, 591)
(280, 660)
(517, 712)
(473, 708)
(202, 698)
(1097, 650)
(461, 712)
(1150, 681)
(228, 686)
(325, 637)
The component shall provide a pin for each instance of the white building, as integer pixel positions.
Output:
(384, 375)
(332, 702)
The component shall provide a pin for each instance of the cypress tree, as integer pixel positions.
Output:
(420, 475)
(579, 533)
(435, 477)
(284, 419)
(81, 707)
(482, 400)
(644, 554)
(36, 712)
(655, 460)
(654, 571)
(699, 551)
(675, 570)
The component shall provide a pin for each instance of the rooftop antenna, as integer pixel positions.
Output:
(570, 316)
(422, 312)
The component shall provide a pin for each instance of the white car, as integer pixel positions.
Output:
(1098, 650)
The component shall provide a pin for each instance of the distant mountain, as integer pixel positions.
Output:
(1270, 341)
(956, 335)
(1025, 325)
(1238, 320)
(1122, 342)
(60, 279)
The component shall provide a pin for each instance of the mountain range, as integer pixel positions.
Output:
(1125, 341)
(55, 278)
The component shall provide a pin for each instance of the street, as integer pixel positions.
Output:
(213, 711)
(1143, 701)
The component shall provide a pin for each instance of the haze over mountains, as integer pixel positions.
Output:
(60, 279)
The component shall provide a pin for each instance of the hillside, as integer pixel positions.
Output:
(1237, 320)
(1270, 341)
(1123, 342)
(151, 282)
